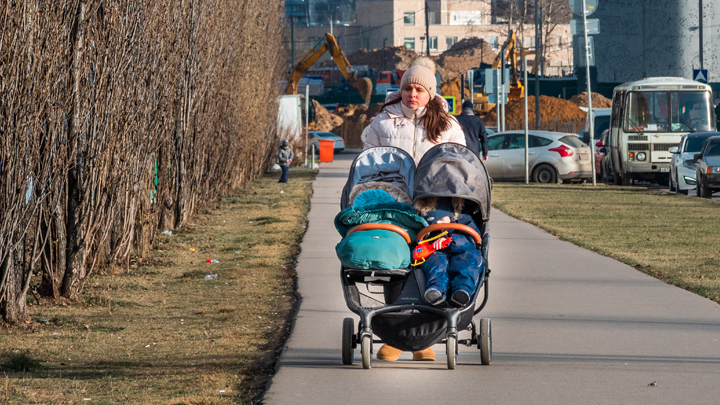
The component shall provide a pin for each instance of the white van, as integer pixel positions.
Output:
(648, 117)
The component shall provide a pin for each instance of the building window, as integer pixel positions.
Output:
(493, 42)
(433, 44)
(434, 17)
(559, 43)
(529, 42)
(450, 41)
(409, 42)
(366, 43)
(409, 18)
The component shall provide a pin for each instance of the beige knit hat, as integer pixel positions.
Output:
(423, 73)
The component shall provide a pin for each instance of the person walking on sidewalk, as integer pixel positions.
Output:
(285, 157)
(474, 128)
(413, 119)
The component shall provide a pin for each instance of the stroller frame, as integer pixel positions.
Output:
(482, 338)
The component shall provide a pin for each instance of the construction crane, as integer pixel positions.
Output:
(363, 85)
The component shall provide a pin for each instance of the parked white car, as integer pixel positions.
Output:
(683, 163)
(552, 157)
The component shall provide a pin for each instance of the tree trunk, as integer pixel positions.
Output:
(13, 305)
(76, 244)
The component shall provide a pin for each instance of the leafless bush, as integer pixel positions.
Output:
(119, 118)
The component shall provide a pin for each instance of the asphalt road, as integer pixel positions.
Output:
(568, 326)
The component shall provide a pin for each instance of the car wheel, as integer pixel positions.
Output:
(677, 187)
(697, 188)
(670, 185)
(545, 174)
(703, 191)
(627, 179)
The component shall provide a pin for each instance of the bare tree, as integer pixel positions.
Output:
(120, 117)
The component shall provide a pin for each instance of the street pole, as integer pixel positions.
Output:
(427, 29)
(292, 42)
(527, 161)
(589, 94)
(497, 99)
(307, 118)
(537, 65)
(384, 39)
(701, 34)
(502, 91)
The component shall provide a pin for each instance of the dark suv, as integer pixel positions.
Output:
(708, 168)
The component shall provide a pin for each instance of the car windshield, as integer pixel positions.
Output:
(662, 111)
(713, 149)
(694, 144)
(571, 140)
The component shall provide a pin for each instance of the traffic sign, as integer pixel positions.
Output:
(451, 103)
(492, 84)
(590, 50)
(700, 75)
(593, 26)
(576, 6)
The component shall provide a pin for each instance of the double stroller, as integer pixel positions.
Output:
(379, 284)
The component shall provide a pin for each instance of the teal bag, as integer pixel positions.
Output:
(374, 249)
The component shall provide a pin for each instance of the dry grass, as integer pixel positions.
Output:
(671, 237)
(160, 333)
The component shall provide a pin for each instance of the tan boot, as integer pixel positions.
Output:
(424, 355)
(388, 353)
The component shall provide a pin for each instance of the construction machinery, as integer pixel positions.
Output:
(363, 85)
(512, 53)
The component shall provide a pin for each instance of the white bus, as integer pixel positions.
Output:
(648, 117)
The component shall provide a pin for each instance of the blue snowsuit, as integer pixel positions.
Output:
(456, 267)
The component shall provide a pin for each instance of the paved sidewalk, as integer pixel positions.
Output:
(569, 327)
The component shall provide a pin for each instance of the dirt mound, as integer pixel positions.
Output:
(464, 55)
(324, 121)
(396, 57)
(551, 109)
(452, 88)
(598, 100)
(355, 118)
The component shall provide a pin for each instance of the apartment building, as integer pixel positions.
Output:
(373, 24)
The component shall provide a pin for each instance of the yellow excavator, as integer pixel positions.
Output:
(517, 90)
(363, 85)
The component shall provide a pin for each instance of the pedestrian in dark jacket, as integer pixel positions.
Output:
(285, 156)
(474, 129)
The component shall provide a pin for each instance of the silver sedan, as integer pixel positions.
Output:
(683, 163)
(552, 157)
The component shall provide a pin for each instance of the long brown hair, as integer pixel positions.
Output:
(436, 120)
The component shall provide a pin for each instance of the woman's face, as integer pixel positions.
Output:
(415, 96)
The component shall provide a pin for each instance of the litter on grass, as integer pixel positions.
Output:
(167, 232)
(211, 277)
(211, 261)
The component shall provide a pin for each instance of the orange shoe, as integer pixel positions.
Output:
(389, 353)
(424, 355)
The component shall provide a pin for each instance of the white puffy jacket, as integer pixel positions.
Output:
(402, 127)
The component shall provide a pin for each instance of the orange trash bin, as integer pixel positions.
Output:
(327, 149)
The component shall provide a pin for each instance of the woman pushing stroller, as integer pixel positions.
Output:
(414, 120)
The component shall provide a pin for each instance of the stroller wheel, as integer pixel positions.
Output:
(348, 344)
(485, 342)
(451, 351)
(366, 349)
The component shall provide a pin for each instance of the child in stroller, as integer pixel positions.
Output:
(456, 267)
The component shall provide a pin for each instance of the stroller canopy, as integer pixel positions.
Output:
(384, 163)
(452, 170)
